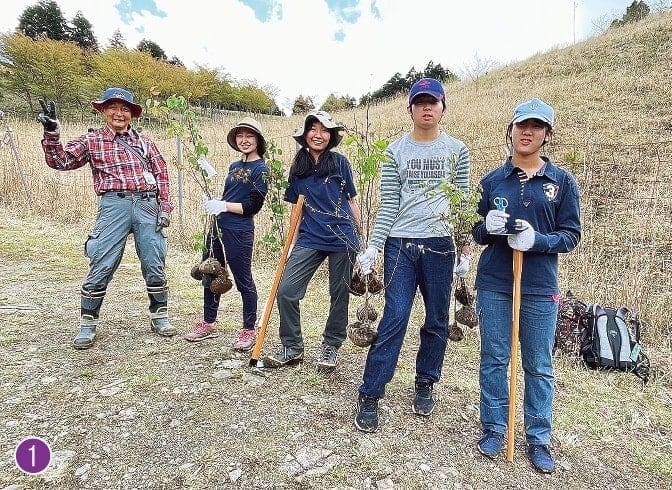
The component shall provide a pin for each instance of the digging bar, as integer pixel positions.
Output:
(515, 323)
(293, 226)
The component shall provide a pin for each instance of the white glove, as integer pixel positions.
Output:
(462, 268)
(524, 239)
(214, 206)
(495, 222)
(367, 258)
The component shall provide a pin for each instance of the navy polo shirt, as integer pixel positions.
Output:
(327, 223)
(549, 201)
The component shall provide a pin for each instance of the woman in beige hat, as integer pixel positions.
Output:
(328, 229)
(232, 238)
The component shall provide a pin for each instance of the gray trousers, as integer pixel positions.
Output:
(299, 270)
(117, 218)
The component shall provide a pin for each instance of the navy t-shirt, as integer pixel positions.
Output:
(243, 181)
(327, 222)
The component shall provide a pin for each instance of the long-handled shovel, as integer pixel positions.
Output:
(293, 225)
(517, 273)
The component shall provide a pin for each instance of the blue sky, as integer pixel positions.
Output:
(348, 47)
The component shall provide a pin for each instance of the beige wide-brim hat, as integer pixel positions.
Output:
(325, 118)
(255, 126)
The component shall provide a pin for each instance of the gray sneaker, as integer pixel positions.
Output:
(328, 359)
(282, 357)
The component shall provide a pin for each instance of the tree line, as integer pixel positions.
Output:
(48, 56)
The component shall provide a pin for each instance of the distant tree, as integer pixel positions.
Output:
(477, 67)
(302, 105)
(45, 68)
(175, 61)
(81, 33)
(117, 41)
(154, 50)
(438, 72)
(334, 103)
(44, 20)
(634, 13)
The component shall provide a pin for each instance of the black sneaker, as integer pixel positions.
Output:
(366, 419)
(283, 356)
(327, 361)
(423, 401)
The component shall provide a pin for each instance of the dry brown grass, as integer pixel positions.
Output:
(150, 413)
(612, 98)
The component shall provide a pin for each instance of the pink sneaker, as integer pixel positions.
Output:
(246, 339)
(202, 331)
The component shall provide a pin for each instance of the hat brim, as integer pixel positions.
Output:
(334, 128)
(436, 95)
(538, 117)
(99, 105)
(261, 141)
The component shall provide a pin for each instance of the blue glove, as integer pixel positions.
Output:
(367, 258)
(495, 222)
(523, 240)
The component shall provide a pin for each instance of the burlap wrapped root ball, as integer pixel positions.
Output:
(466, 315)
(367, 313)
(196, 272)
(362, 334)
(211, 266)
(221, 284)
(455, 332)
(359, 283)
(463, 294)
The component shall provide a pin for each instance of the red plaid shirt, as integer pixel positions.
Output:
(114, 167)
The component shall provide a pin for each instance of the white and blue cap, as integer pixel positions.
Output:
(534, 109)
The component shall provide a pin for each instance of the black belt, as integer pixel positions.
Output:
(137, 195)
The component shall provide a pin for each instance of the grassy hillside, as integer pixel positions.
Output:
(612, 99)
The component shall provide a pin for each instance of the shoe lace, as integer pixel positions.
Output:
(328, 353)
(368, 403)
(246, 335)
(202, 327)
(423, 390)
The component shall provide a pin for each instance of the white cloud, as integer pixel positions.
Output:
(299, 56)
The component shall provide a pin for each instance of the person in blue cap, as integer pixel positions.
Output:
(527, 204)
(131, 177)
(418, 248)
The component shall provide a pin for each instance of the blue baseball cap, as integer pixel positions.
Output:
(115, 93)
(533, 109)
(429, 86)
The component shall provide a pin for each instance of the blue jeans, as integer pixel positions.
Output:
(535, 333)
(425, 263)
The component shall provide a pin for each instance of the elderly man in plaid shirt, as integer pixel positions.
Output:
(131, 177)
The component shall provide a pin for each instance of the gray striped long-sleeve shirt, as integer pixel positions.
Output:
(411, 204)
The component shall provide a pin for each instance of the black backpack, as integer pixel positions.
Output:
(612, 340)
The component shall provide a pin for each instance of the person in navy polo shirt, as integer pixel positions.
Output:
(329, 228)
(232, 239)
(531, 205)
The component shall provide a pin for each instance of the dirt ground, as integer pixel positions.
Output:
(139, 411)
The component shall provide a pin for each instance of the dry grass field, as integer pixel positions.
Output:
(141, 412)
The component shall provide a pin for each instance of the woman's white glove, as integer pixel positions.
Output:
(495, 222)
(462, 267)
(367, 258)
(523, 240)
(214, 206)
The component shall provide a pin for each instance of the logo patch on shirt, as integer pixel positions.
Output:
(551, 191)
